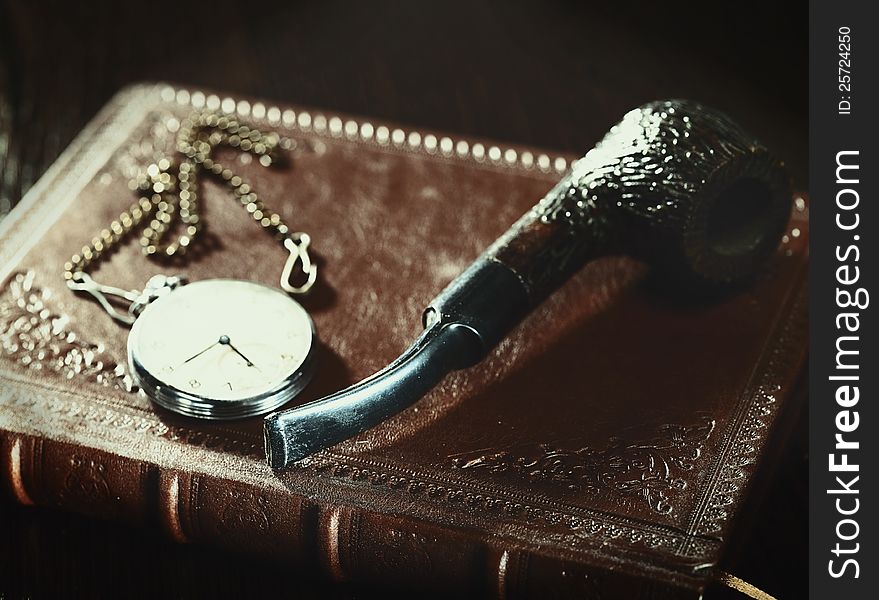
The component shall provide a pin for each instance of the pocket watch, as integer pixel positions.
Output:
(222, 348)
(215, 348)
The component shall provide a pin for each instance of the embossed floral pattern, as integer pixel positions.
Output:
(646, 470)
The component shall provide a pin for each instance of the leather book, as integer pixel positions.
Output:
(602, 450)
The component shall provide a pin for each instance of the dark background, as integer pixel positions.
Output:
(548, 74)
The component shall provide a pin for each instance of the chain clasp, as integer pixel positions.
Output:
(297, 244)
(107, 295)
(82, 282)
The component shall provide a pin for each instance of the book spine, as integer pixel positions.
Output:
(346, 543)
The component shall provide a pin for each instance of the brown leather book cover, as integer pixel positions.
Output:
(602, 448)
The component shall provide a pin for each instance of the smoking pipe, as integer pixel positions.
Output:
(674, 183)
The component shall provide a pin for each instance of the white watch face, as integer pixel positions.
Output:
(222, 348)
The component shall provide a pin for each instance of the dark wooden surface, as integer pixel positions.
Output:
(550, 74)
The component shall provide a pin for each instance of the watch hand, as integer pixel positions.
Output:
(238, 352)
(196, 355)
(224, 339)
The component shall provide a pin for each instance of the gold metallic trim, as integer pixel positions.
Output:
(743, 587)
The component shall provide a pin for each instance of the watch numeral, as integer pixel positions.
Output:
(194, 383)
(230, 385)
